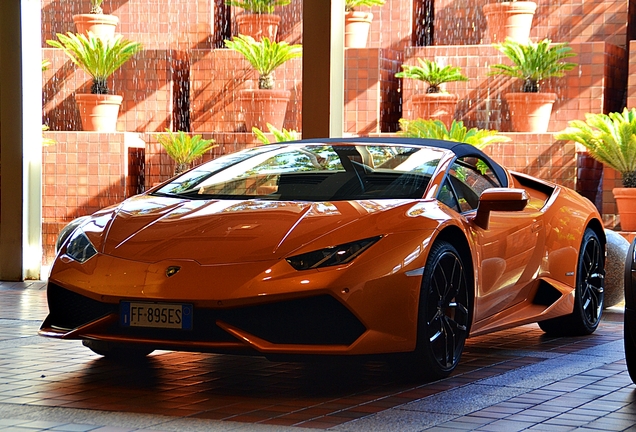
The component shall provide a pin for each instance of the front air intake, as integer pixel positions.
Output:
(320, 320)
(69, 310)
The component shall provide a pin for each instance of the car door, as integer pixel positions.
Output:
(509, 252)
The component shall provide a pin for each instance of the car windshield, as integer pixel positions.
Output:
(311, 172)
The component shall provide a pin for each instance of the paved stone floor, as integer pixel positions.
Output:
(511, 380)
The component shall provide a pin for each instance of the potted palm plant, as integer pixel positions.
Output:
(100, 58)
(357, 23)
(509, 19)
(435, 103)
(96, 21)
(283, 135)
(435, 129)
(184, 149)
(611, 139)
(265, 104)
(258, 19)
(530, 109)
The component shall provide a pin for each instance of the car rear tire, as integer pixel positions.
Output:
(118, 351)
(588, 301)
(444, 313)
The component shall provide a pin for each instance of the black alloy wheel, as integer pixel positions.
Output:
(445, 311)
(589, 292)
(592, 283)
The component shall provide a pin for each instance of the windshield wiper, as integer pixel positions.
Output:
(186, 195)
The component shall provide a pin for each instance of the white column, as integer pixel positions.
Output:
(336, 70)
(20, 140)
(323, 68)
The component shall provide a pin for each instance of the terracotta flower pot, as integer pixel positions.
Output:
(435, 106)
(258, 25)
(357, 26)
(101, 25)
(530, 112)
(260, 107)
(98, 112)
(626, 203)
(509, 20)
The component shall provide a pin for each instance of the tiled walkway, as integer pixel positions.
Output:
(511, 380)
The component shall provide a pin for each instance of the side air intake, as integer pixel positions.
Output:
(546, 294)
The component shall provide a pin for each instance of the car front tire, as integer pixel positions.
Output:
(444, 312)
(117, 351)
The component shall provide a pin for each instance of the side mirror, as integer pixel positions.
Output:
(499, 199)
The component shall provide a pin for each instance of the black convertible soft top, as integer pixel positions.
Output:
(458, 148)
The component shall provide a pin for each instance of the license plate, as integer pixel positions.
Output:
(156, 315)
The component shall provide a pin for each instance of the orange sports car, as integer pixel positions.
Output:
(331, 247)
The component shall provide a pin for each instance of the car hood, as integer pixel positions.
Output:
(150, 229)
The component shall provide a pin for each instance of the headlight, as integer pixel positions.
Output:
(80, 247)
(331, 256)
(68, 230)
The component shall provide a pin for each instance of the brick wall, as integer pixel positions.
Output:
(538, 155)
(371, 91)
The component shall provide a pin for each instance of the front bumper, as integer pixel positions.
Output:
(262, 308)
(318, 322)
